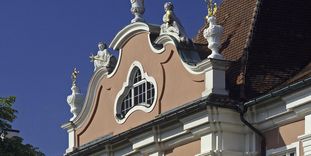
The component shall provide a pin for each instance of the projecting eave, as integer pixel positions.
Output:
(292, 88)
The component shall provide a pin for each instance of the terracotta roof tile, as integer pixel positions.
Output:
(269, 42)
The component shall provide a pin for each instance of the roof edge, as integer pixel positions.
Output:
(131, 30)
(280, 92)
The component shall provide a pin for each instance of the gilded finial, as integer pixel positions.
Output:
(212, 8)
(168, 7)
(74, 76)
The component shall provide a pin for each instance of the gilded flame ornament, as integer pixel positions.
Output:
(212, 8)
(74, 76)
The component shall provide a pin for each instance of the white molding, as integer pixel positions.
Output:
(223, 141)
(157, 154)
(195, 120)
(143, 140)
(177, 134)
(284, 110)
(306, 137)
(131, 30)
(306, 143)
(165, 39)
(117, 65)
(199, 68)
(278, 151)
(125, 84)
(308, 124)
(298, 98)
(157, 51)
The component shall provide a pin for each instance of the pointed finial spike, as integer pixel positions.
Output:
(74, 76)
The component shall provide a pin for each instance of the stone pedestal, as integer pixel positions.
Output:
(215, 82)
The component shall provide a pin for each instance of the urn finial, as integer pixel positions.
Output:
(214, 32)
(75, 100)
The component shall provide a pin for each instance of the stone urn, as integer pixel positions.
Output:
(213, 34)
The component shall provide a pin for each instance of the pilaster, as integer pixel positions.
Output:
(306, 138)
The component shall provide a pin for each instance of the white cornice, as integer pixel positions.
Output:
(166, 39)
(131, 30)
(284, 110)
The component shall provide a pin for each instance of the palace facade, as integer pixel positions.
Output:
(241, 87)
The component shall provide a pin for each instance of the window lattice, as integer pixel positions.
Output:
(140, 92)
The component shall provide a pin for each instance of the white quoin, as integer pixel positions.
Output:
(75, 101)
(213, 34)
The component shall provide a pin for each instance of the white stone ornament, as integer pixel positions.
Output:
(213, 34)
(103, 57)
(137, 10)
(172, 25)
(76, 99)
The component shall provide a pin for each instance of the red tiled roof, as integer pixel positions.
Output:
(269, 42)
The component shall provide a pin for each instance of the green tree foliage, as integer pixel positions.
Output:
(12, 146)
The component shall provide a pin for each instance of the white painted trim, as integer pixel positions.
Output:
(160, 139)
(308, 124)
(195, 120)
(298, 98)
(131, 30)
(117, 65)
(143, 140)
(306, 143)
(138, 27)
(165, 39)
(278, 151)
(125, 84)
(157, 51)
(200, 68)
(282, 110)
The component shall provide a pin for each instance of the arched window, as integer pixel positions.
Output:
(139, 93)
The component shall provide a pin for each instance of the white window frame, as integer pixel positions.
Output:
(126, 84)
(285, 150)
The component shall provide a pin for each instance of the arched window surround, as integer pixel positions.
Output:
(128, 86)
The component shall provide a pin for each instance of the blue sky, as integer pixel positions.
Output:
(42, 40)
